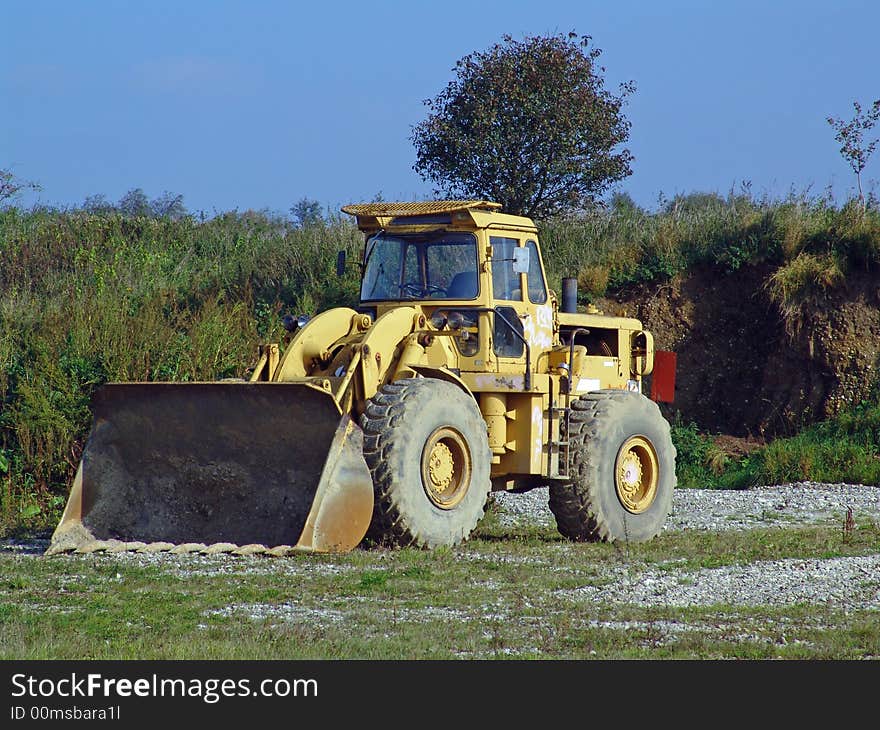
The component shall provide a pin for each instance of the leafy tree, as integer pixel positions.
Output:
(134, 203)
(307, 213)
(850, 134)
(168, 205)
(97, 204)
(528, 124)
(11, 186)
(622, 203)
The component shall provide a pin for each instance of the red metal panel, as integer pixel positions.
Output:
(663, 378)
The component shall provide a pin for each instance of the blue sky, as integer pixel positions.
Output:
(256, 105)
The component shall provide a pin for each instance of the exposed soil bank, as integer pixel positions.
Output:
(744, 369)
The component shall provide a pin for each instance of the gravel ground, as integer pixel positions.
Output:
(710, 509)
(848, 583)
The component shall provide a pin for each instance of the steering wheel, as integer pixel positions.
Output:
(411, 288)
(414, 288)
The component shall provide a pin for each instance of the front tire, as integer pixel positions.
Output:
(622, 467)
(426, 446)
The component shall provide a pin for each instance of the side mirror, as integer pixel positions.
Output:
(340, 263)
(520, 261)
(292, 324)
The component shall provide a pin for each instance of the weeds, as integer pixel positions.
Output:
(812, 242)
(843, 449)
(802, 283)
(849, 524)
(88, 296)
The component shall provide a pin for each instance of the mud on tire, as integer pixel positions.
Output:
(622, 468)
(426, 446)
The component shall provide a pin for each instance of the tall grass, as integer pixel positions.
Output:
(812, 242)
(87, 297)
(845, 449)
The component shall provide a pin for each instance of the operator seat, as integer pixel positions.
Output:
(464, 285)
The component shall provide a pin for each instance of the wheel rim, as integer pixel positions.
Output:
(636, 474)
(446, 467)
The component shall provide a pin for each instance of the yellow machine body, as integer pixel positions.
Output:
(278, 460)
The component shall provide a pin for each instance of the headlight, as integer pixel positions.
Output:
(467, 343)
(460, 322)
(439, 319)
(455, 320)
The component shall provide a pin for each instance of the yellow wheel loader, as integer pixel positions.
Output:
(458, 373)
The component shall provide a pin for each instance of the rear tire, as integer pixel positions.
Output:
(426, 446)
(622, 468)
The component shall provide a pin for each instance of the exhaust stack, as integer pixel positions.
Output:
(569, 295)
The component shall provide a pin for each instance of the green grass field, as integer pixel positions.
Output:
(508, 593)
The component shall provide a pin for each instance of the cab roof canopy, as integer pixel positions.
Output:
(428, 207)
(431, 213)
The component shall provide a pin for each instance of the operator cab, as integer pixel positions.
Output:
(470, 267)
(420, 266)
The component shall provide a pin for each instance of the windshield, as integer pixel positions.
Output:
(440, 265)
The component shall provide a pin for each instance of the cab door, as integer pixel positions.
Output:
(522, 315)
(521, 300)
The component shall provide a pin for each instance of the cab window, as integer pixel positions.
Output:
(505, 283)
(505, 342)
(535, 279)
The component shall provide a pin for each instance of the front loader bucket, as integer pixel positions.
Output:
(226, 462)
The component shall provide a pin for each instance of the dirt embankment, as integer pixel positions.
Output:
(743, 369)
